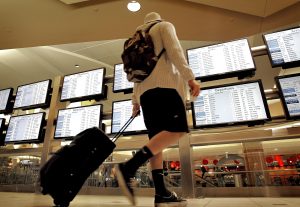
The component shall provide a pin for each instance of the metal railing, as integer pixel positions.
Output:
(279, 177)
(19, 175)
(105, 177)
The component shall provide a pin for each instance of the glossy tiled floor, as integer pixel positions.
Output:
(37, 200)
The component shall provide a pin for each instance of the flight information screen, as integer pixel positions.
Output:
(83, 85)
(289, 89)
(72, 121)
(121, 112)
(230, 104)
(283, 46)
(24, 128)
(4, 98)
(121, 83)
(220, 59)
(32, 95)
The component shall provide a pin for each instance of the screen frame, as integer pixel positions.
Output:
(135, 132)
(97, 96)
(40, 137)
(2, 129)
(2, 124)
(9, 104)
(125, 90)
(284, 65)
(281, 95)
(45, 104)
(240, 73)
(246, 122)
(72, 137)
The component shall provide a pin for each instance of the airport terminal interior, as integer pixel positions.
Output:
(61, 72)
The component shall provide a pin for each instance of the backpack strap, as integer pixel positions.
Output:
(151, 25)
(147, 31)
(161, 52)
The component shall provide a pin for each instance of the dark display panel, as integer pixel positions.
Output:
(72, 121)
(5, 98)
(289, 91)
(2, 123)
(33, 95)
(239, 103)
(284, 47)
(221, 60)
(83, 86)
(25, 128)
(121, 84)
(121, 112)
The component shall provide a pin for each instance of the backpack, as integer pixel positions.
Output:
(138, 56)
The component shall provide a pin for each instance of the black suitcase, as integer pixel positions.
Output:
(63, 175)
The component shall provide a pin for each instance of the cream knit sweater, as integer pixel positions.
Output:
(172, 69)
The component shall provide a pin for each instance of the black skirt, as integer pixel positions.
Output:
(163, 110)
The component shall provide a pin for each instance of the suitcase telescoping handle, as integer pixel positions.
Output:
(119, 133)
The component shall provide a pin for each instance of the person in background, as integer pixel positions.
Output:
(203, 170)
(162, 97)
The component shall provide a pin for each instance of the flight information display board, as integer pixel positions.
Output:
(289, 92)
(121, 84)
(83, 86)
(5, 97)
(121, 112)
(284, 47)
(230, 104)
(221, 60)
(32, 95)
(25, 128)
(72, 121)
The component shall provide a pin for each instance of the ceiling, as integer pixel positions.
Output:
(260, 8)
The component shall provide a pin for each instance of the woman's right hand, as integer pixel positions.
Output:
(194, 87)
(135, 109)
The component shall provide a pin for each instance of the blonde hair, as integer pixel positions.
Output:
(152, 16)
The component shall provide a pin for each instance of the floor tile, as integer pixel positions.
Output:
(38, 200)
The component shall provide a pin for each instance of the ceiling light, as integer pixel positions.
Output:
(77, 66)
(133, 6)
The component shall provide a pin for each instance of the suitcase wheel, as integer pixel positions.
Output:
(61, 204)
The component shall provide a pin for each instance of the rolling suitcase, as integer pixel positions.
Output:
(63, 175)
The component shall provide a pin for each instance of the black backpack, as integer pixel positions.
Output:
(138, 56)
